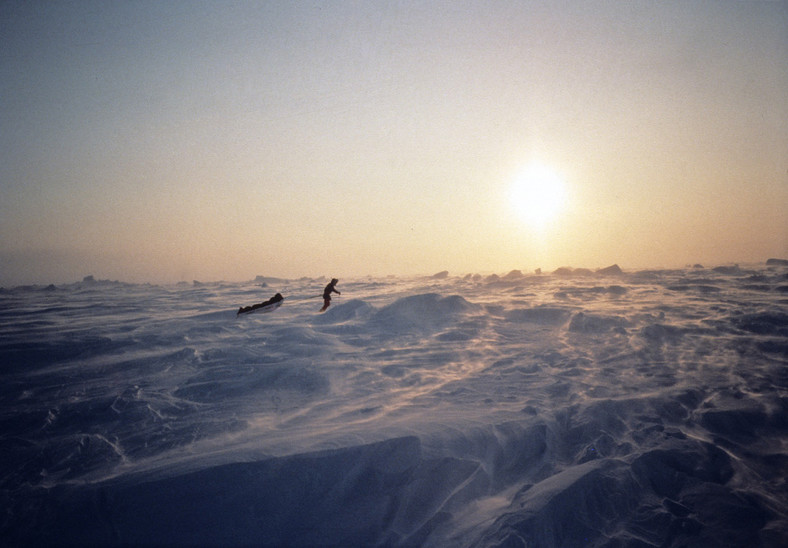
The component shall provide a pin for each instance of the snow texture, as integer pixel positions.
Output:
(577, 408)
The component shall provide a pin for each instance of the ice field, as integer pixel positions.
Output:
(572, 408)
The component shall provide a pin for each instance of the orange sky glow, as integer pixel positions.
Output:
(169, 141)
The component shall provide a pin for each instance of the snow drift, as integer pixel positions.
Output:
(525, 410)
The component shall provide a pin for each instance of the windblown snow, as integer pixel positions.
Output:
(576, 408)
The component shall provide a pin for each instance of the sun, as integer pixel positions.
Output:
(538, 195)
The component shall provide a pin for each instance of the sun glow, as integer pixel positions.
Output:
(538, 195)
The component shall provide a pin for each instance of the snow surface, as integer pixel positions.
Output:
(567, 409)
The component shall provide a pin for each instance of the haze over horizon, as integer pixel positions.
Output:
(164, 142)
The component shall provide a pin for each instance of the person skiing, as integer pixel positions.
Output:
(327, 293)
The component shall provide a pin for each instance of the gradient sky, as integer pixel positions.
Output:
(179, 140)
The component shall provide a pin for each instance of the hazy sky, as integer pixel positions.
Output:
(179, 140)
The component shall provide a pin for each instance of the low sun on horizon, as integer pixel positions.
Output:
(538, 195)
